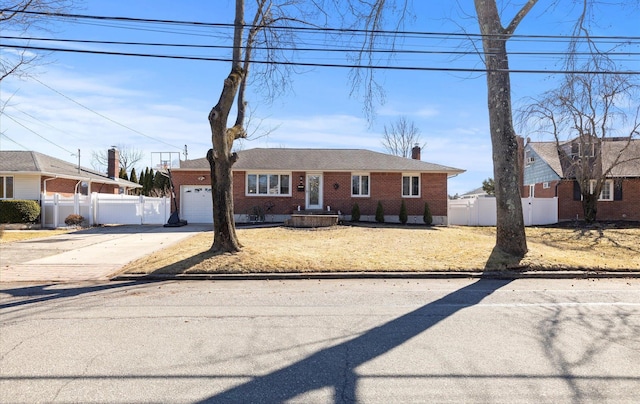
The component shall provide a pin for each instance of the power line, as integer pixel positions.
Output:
(11, 140)
(35, 133)
(317, 29)
(311, 64)
(301, 49)
(104, 116)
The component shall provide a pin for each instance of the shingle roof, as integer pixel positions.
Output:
(34, 162)
(548, 152)
(629, 163)
(323, 160)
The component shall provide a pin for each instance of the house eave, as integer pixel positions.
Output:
(110, 181)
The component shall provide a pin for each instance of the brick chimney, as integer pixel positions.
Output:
(113, 163)
(415, 152)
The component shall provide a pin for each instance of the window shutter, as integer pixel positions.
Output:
(577, 195)
(617, 189)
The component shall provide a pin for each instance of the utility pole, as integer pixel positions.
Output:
(185, 152)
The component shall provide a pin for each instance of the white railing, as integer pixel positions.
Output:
(104, 209)
(482, 211)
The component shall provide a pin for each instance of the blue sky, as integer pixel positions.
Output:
(159, 105)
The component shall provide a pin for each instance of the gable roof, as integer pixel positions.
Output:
(31, 162)
(548, 152)
(629, 163)
(323, 160)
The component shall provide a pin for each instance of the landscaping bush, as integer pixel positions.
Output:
(379, 213)
(426, 216)
(355, 213)
(19, 211)
(403, 213)
(73, 220)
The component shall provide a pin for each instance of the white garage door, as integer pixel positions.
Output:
(197, 206)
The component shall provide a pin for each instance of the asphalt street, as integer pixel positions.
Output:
(322, 341)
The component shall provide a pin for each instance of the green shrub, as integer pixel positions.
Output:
(426, 216)
(355, 213)
(73, 220)
(379, 213)
(19, 211)
(403, 213)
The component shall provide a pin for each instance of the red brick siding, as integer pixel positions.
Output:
(626, 209)
(384, 187)
(188, 178)
(67, 187)
(541, 192)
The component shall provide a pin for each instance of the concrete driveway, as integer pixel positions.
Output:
(93, 254)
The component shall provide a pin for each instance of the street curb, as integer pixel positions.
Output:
(384, 275)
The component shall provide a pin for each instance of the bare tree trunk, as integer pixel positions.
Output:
(221, 158)
(590, 207)
(510, 235)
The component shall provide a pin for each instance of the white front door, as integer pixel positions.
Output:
(314, 191)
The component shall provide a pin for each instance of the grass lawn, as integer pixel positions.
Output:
(9, 236)
(398, 248)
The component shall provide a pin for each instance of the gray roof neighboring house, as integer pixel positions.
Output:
(325, 160)
(31, 162)
(548, 152)
(628, 166)
(478, 192)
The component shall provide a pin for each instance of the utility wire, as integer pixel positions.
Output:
(11, 140)
(35, 133)
(311, 64)
(300, 49)
(312, 29)
(104, 116)
(41, 121)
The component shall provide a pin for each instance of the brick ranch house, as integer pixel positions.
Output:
(545, 176)
(29, 174)
(275, 183)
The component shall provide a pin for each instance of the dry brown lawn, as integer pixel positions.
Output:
(396, 248)
(9, 236)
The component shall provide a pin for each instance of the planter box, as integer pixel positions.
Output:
(313, 220)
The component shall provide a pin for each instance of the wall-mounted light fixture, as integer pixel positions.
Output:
(201, 178)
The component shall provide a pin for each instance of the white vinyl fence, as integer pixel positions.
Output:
(104, 209)
(482, 211)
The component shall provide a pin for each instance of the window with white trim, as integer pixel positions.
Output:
(6, 187)
(546, 185)
(360, 185)
(268, 184)
(410, 185)
(528, 157)
(607, 190)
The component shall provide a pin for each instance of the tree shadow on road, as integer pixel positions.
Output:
(335, 367)
(33, 294)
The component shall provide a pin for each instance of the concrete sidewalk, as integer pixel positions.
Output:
(87, 255)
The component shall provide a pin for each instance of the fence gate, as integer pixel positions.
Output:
(482, 211)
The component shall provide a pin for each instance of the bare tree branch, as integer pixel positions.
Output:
(400, 137)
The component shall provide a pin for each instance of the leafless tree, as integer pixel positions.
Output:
(400, 137)
(594, 119)
(129, 157)
(16, 17)
(268, 26)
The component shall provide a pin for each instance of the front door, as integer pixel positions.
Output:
(314, 191)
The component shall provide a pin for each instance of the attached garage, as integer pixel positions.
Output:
(196, 205)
